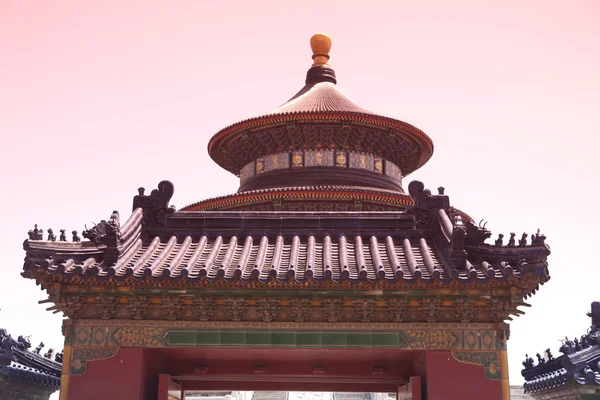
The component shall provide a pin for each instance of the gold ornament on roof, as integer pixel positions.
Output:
(320, 45)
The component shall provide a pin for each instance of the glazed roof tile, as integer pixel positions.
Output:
(385, 256)
(320, 97)
(24, 374)
(247, 258)
(297, 190)
(427, 242)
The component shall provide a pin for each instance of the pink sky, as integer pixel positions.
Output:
(98, 98)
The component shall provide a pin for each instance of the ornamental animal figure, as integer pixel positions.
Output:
(6, 345)
(97, 233)
(523, 240)
(76, 238)
(48, 355)
(549, 355)
(584, 341)
(528, 363)
(51, 235)
(540, 359)
(24, 343)
(538, 238)
(511, 241)
(59, 357)
(476, 235)
(105, 232)
(568, 347)
(63, 236)
(39, 348)
(36, 234)
(499, 240)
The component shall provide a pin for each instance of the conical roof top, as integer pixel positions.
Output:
(320, 104)
(320, 97)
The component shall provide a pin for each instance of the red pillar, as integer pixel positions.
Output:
(476, 376)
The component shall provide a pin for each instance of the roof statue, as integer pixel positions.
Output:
(575, 372)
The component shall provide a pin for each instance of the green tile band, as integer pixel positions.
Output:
(284, 339)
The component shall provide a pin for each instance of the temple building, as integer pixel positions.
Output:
(575, 374)
(27, 374)
(323, 272)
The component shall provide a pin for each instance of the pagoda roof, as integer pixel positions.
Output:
(320, 102)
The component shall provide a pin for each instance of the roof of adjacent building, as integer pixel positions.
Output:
(30, 376)
(19, 364)
(578, 365)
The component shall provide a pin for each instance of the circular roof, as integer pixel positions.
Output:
(320, 103)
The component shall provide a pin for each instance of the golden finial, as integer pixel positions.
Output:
(320, 45)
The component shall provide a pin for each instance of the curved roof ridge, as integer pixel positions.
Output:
(364, 189)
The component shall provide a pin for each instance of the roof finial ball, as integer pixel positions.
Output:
(320, 45)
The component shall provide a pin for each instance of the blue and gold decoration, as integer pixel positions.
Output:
(320, 158)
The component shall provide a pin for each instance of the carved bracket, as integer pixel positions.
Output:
(235, 308)
(489, 360)
(81, 356)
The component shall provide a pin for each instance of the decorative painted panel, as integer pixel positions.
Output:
(378, 165)
(319, 158)
(341, 159)
(489, 360)
(277, 161)
(295, 335)
(297, 159)
(260, 165)
(247, 171)
(392, 170)
(361, 161)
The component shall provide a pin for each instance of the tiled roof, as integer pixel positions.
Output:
(385, 256)
(427, 242)
(547, 381)
(28, 375)
(320, 97)
(353, 259)
(322, 191)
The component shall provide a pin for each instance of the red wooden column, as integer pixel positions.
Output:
(463, 375)
(167, 386)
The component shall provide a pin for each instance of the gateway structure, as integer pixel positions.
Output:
(320, 273)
